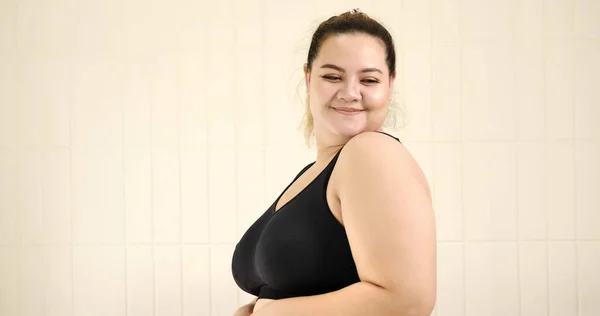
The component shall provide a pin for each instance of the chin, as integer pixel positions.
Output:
(348, 131)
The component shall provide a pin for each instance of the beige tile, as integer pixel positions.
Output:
(28, 189)
(150, 26)
(168, 290)
(99, 280)
(528, 20)
(561, 195)
(97, 195)
(250, 188)
(448, 192)
(532, 183)
(9, 229)
(445, 91)
(8, 26)
(501, 20)
(98, 28)
(451, 280)
(529, 89)
(505, 275)
(489, 193)
(558, 18)
(191, 21)
(140, 280)
(194, 195)
(586, 187)
(56, 195)
(221, 192)
(166, 208)
(138, 99)
(475, 92)
(193, 109)
(417, 91)
(501, 80)
(585, 19)
(479, 279)
(196, 281)
(482, 20)
(45, 28)
(44, 115)
(223, 290)
(326, 9)
(588, 258)
(9, 274)
(219, 59)
(250, 84)
(285, 50)
(585, 88)
(165, 103)
(417, 21)
(558, 83)
(476, 194)
(32, 280)
(445, 21)
(138, 194)
(59, 281)
(562, 279)
(97, 100)
(533, 274)
(9, 99)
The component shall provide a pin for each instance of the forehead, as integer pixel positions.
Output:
(352, 51)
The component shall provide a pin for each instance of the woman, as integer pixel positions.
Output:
(354, 232)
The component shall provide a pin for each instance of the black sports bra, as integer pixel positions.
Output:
(299, 250)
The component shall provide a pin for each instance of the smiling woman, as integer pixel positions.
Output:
(353, 233)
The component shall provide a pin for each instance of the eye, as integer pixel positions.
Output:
(331, 78)
(370, 81)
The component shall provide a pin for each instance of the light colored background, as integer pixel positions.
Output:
(139, 139)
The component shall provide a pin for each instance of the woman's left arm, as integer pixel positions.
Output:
(388, 215)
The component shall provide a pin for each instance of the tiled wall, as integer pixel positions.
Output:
(139, 139)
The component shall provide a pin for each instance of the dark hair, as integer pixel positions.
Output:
(352, 22)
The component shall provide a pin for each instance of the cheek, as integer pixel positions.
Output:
(377, 99)
(322, 92)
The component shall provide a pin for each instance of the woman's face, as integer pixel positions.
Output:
(349, 86)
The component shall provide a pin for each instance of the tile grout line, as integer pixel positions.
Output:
(152, 219)
(515, 156)
(178, 102)
(235, 142)
(204, 54)
(547, 141)
(574, 157)
(124, 193)
(462, 154)
(431, 120)
(71, 211)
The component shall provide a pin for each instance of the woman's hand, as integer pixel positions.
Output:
(261, 303)
(246, 310)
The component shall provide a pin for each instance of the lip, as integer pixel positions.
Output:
(348, 111)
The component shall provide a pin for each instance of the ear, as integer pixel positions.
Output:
(306, 77)
(392, 80)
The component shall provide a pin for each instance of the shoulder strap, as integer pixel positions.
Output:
(392, 136)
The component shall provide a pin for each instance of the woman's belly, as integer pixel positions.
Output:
(260, 303)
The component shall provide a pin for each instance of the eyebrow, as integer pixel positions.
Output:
(338, 68)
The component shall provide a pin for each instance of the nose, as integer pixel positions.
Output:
(350, 91)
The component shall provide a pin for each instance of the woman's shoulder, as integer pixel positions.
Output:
(380, 160)
(375, 150)
(373, 145)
